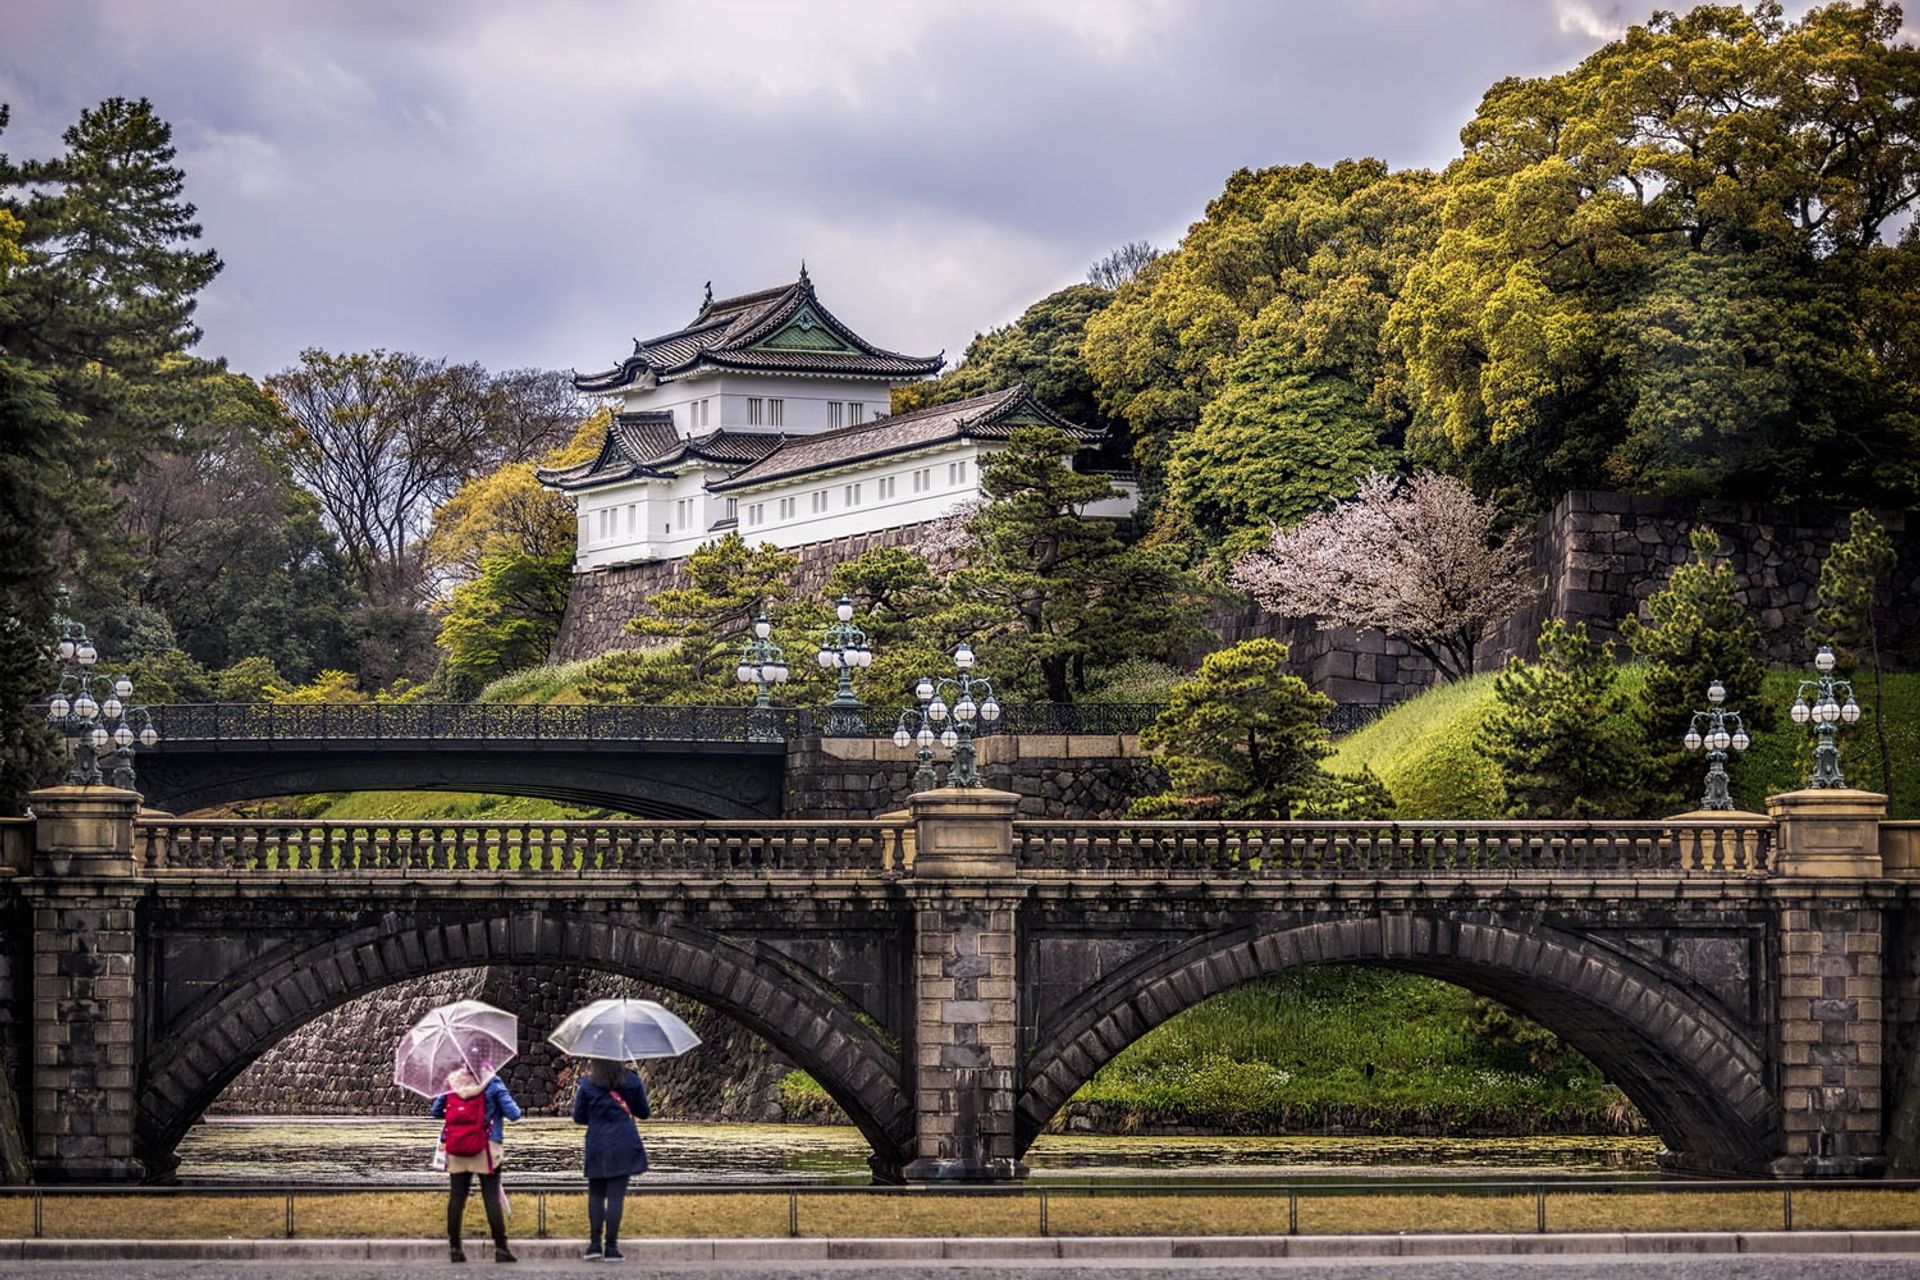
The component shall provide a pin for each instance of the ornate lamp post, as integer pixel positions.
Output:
(1718, 730)
(100, 730)
(844, 649)
(972, 705)
(763, 664)
(1827, 713)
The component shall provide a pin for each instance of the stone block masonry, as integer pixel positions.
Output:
(1078, 776)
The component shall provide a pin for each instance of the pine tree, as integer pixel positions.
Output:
(727, 583)
(1560, 732)
(1244, 739)
(1696, 631)
(97, 283)
(1057, 592)
(1852, 577)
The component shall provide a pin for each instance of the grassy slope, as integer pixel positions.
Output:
(1425, 749)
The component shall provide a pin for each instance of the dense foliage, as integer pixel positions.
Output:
(1853, 587)
(1244, 739)
(1560, 733)
(1694, 630)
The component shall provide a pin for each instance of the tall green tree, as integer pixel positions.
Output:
(98, 274)
(1650, 268)
(1272, 448)
(1562, 733)
(899, 601)
(1695, 631)
(1058, 592)
(1244, 739)
(505, 618)
(1854, 581)
(1306, 257)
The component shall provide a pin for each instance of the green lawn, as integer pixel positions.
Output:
(1353, 1049)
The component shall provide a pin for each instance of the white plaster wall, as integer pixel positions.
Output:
(726, 395)
(655, 530)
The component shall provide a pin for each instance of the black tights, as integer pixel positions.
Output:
(458, 1185)
(606, 1199)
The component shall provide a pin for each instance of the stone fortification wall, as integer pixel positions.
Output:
(599, 603)
(1597, 556)
(1055, 775)
(342, 1063)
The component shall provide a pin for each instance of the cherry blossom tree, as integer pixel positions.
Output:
(1418, 559)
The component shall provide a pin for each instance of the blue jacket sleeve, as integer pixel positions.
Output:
(502, 1099)
(439, 1108)
(634, 1091)
(580, 1103)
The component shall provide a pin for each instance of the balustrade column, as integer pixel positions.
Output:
(1831, 936)
(83, 894)
(966, 899)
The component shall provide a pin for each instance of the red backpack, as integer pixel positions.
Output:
(466, 1131)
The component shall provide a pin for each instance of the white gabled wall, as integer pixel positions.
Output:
(711, 401)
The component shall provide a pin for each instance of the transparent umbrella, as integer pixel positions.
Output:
(623, 1030)
(464, 1036)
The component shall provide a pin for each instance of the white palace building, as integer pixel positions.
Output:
(767, 415)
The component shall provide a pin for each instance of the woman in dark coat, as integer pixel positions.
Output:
(610, 1098)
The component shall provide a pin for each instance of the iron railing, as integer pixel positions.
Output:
(491, 721)
(1278, 850)
(718, 850)
(179, 723)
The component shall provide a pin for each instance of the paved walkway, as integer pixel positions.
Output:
(1565, 1267)
(1770, 1253)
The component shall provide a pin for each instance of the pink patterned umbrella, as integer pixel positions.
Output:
(466, 1036)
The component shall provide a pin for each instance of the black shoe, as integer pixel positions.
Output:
(613, 1255)
(592, 1254)
(456, 1254)
(503, 1254)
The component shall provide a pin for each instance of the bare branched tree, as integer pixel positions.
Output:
(1421, 560)
(382, 438)
(1122, 265)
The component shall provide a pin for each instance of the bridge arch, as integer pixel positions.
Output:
(792, 1009)
(1700, 1082)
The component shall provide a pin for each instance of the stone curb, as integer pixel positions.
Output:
(1009, 1248)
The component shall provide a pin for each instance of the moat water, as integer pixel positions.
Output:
(316, 1149)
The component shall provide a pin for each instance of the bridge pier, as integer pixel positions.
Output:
(83, 897)
(966, 897)
(1831, 979)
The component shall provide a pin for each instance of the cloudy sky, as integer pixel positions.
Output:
(536, 183)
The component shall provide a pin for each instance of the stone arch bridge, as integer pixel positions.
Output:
(1753, 984)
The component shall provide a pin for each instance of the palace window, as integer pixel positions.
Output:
(756, 512)
(786, 508)
(923, 479)
(776, 413)
(853, 495)
(753, 410)
(632, 518)
(885, 486)
(956, 473)
(704, 407)
(819, 501)
(683, 512)
(856, 412)
(836, 414)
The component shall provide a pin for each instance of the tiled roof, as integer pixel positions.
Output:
(780, 330)
(646, 445)
(989, 417)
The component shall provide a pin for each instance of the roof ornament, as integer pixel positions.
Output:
(803, 274)
(636, 346)
(708, 300)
